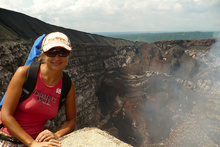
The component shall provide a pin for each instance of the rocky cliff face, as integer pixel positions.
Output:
(160, 94)
(167, 92)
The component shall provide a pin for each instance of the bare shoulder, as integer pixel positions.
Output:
(21, 73)
(16, 83)
(22, 70)
(71, 93)
(72, 89)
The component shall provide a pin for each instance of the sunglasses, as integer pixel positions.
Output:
(61, 52)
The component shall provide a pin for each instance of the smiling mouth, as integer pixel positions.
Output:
(57, 63)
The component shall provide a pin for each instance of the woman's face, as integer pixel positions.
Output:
(57, 62)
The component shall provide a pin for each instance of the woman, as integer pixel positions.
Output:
(25, 121)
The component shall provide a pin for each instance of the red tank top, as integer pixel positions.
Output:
(39, 107)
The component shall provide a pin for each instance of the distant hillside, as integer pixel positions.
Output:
(151, 37)
(18, 26)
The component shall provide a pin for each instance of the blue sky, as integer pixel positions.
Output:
(123, 15)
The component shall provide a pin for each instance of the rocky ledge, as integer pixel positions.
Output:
(91, 137)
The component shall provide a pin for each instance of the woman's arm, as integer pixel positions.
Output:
(70, 109)
(70, 124)
(12, 98)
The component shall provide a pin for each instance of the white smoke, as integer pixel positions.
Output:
(194, 116)
(200, 126)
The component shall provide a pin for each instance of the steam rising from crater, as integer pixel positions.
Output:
(188, 111)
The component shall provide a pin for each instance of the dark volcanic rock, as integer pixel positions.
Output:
(30, 28)
(160, 94)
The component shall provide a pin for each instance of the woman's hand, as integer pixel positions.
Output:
(45, 136)
(51, 143)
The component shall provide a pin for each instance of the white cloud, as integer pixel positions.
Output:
(17, 5)
(123, 15)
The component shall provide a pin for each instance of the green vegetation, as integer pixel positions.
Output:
(151, 37)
